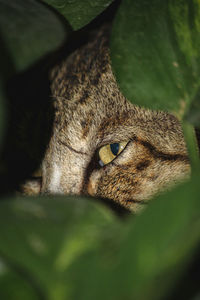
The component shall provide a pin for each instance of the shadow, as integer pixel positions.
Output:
(29, 124)
(29, 109)
(29, 114)
(187, 287)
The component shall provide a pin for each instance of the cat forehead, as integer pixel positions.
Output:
(85, 81)
(86, 93)
(80, 95)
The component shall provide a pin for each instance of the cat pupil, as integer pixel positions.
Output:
(114, 148)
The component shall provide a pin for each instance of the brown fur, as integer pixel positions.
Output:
(90, 112)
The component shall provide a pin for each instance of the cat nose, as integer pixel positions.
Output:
(49, 188)
(48, 191)
(51, 180)
(59, 180)
(63, 170)
(45, 192)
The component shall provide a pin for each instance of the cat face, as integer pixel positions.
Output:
(103, 145)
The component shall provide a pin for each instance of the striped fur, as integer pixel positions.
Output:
(90, 112)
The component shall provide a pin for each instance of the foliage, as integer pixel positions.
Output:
(164, 50)
(29, 31)
(73, 247)
(79, 13)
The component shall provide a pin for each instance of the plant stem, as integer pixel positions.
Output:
(192, 147)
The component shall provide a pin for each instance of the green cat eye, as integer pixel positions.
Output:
(108, 152)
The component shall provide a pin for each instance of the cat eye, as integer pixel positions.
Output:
(109, 152)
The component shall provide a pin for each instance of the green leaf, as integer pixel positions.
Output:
(153, 253)
(45, 237)
(29, 31)
(162, 242)
(72, 248)
(79, 13)
(193, 115)
(13, 286)
(155, 53)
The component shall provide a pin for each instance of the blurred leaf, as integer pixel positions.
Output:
(44, 237)
(79, 13)
(153, 253)
(162, 242)
(29, 30)
(15, 287)
(155, 52)
(193, 115)
(75, 249)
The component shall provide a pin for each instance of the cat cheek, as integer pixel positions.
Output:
(90, 189)
(93, 183)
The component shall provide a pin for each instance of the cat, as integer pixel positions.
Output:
(102, 145)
